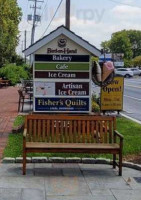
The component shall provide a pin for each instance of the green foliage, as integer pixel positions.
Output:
(120, 43)
(95, 107)
(127, 42)
(106, 46)
(14, 73)
(128, 63)
(18, 60)
(95, 103)
(137, 61)
(19, 121)
(135, 40)
(94, 58)
(10, 16)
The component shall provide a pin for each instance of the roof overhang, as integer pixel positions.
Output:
(62, 30)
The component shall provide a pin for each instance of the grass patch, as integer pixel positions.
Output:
(14, 146)
(129, 129)
(19, 120)
(132, 135)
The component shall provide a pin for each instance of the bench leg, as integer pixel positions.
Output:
(24, 162)
(120, 163)
(19, 105)
(114, 161)
(22, 104)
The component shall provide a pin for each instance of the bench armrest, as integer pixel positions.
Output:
(25, 132)
(116, 133)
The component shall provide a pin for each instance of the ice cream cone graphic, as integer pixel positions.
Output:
(97, 71)
(108, 68)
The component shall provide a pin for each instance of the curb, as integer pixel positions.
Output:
(68, 160)
(131, 118)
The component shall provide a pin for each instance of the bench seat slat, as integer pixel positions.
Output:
(71, 145)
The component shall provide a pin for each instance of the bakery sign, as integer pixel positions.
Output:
(62, 43)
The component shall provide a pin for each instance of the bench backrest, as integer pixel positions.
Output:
(70, 129)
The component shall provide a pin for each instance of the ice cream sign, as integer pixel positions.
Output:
(61, 89)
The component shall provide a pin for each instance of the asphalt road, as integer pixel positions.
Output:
(132, 98)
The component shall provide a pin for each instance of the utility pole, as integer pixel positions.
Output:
(34, 18)
(34, 21)
(22, 46)
(68, 14)
(25, 34)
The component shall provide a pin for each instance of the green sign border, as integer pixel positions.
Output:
(71, 66)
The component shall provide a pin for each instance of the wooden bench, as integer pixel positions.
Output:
(4, 83)
(72, 134)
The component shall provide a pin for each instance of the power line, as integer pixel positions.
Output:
(44, 8)
(125, 4)
(52, 18)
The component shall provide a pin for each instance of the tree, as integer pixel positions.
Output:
(106, 46)
(120, 43)
(10, 16)
(137, 61)
(135, 40)
(125, 41)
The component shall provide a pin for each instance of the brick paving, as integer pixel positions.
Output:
(8, 112)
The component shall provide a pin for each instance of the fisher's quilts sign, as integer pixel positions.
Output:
(62, 104)
(112, 95)
(62, 78)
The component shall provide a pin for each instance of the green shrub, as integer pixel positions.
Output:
(96, 98)
(14, 73)
(95, 107)
(95, 103)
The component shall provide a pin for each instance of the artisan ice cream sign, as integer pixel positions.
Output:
(72, 89)
(61, 89)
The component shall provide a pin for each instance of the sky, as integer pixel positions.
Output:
(94, 20)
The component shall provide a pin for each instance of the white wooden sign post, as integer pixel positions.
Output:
(62, 73)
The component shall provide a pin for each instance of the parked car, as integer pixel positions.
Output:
(136, 71)
(140, 71)
(126, 72)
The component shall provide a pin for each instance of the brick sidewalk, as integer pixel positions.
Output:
(8, 112)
